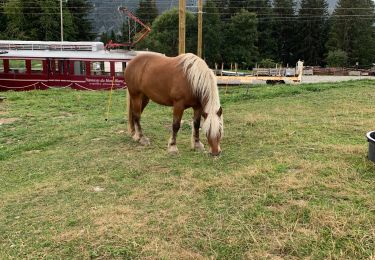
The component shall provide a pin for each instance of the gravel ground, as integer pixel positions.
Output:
(320, 79)
(309, 79)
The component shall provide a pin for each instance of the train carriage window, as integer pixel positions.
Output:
(100, 68)
(61, 67)
(36, 66)
(120, 68)
(17, 66)
(1, 66)
(79, 67)
(53, 67)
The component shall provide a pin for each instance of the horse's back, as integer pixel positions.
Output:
(158, 77)
(137, 67)
(144, 68)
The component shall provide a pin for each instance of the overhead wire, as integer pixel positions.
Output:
(271, 15)
(170, 4)
(32, 6)
(104, 10)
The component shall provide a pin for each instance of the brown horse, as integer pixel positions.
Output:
(182, 82)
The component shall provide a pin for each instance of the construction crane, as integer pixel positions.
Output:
(132, 28)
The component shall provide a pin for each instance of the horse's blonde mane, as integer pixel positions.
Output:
(204, 85)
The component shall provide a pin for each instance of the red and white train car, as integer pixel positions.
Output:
(27, 65)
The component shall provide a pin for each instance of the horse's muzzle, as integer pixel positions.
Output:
(215, 154)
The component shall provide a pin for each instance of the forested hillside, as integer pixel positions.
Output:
(106, 18)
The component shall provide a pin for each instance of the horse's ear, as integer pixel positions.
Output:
(204, 114)
(220, 112)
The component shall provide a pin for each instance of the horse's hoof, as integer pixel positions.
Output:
(136, 137)
(198, 146)
(172, 149)
(144, 141)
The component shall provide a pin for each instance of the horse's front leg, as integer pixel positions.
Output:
(195, 142)
(178, 110)
(138, 104)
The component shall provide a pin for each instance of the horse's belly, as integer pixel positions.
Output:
(160, 99)
(162, 102)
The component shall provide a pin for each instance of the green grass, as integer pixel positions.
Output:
(293, 180)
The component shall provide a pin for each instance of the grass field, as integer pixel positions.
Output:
(293, 180)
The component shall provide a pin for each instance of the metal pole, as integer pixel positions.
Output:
(62, 22)
(200, 18)
(129, 32)
(182, 29)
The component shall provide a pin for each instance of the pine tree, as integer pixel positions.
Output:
(113, 36)
(104, 37)
(147, 11)
(235, 7)
(49, 26)
(3, 19)
(240, 39)
(284, 30)
(352, 31)
(225, 8)
(80, 10)
(125, 30)
(266, 44)
(21, 24)
(36, 20)
(312, 31)
(212, 37)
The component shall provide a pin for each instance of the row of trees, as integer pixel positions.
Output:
(245, 32)
(40, 20)
(252, 31)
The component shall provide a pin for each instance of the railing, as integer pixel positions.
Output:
(52, 46)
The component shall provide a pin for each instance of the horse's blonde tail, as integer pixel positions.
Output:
(130, 114)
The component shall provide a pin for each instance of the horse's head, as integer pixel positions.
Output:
(214, 130)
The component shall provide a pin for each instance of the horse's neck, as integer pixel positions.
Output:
(202, 81)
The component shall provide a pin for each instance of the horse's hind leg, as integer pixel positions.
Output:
(138, 104)
(145, 101)
(131, 128)
(178, 110)
(195, 142)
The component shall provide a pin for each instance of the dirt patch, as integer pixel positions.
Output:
(4, 121)
(33, 151)
(63, 115)
(323, 79)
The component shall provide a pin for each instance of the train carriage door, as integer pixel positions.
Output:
(58, 69)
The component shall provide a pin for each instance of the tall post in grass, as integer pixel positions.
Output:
(61, 21)
(200, 21)
(182, 28)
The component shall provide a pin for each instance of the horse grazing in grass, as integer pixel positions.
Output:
(182, 82)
